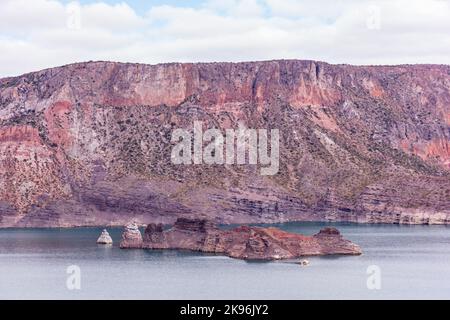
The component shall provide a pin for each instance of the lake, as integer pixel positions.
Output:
(411, 262)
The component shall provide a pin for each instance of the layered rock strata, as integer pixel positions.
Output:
(245, 242)
(131, 236)
(89, 144)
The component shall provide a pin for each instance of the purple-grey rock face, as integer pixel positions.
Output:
(90, 143)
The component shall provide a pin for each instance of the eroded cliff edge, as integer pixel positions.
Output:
(89, 143)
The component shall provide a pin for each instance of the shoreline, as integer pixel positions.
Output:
(231, 225)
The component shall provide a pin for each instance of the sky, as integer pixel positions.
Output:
(40, 34)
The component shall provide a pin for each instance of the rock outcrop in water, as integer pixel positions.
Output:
(104, 238)
(90, 143)
(244, 242)
(131, 236)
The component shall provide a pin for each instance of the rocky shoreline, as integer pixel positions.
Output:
(398, 218)
(243, 242)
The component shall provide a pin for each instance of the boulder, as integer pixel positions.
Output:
(104, 238)
(131, 236)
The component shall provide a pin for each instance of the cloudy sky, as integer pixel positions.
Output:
(45, 33)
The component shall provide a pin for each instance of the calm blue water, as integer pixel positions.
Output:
(414, 262)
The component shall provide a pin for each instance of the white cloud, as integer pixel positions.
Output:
(120, 17)
(23, 15)
(38, 34)
(237, 8)
(317, 9)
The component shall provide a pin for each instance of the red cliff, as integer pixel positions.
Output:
(89, 143)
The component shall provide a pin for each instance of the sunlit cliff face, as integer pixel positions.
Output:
(90, 143)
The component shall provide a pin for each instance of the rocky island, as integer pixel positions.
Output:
(131, 236)
(243, 242)
(104, 238)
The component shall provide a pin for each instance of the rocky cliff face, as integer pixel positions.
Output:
(243, 242)
(131, 236)
(89, 143)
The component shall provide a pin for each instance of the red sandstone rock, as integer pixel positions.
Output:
(245, 242)
(131, 236)
(89, 143)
